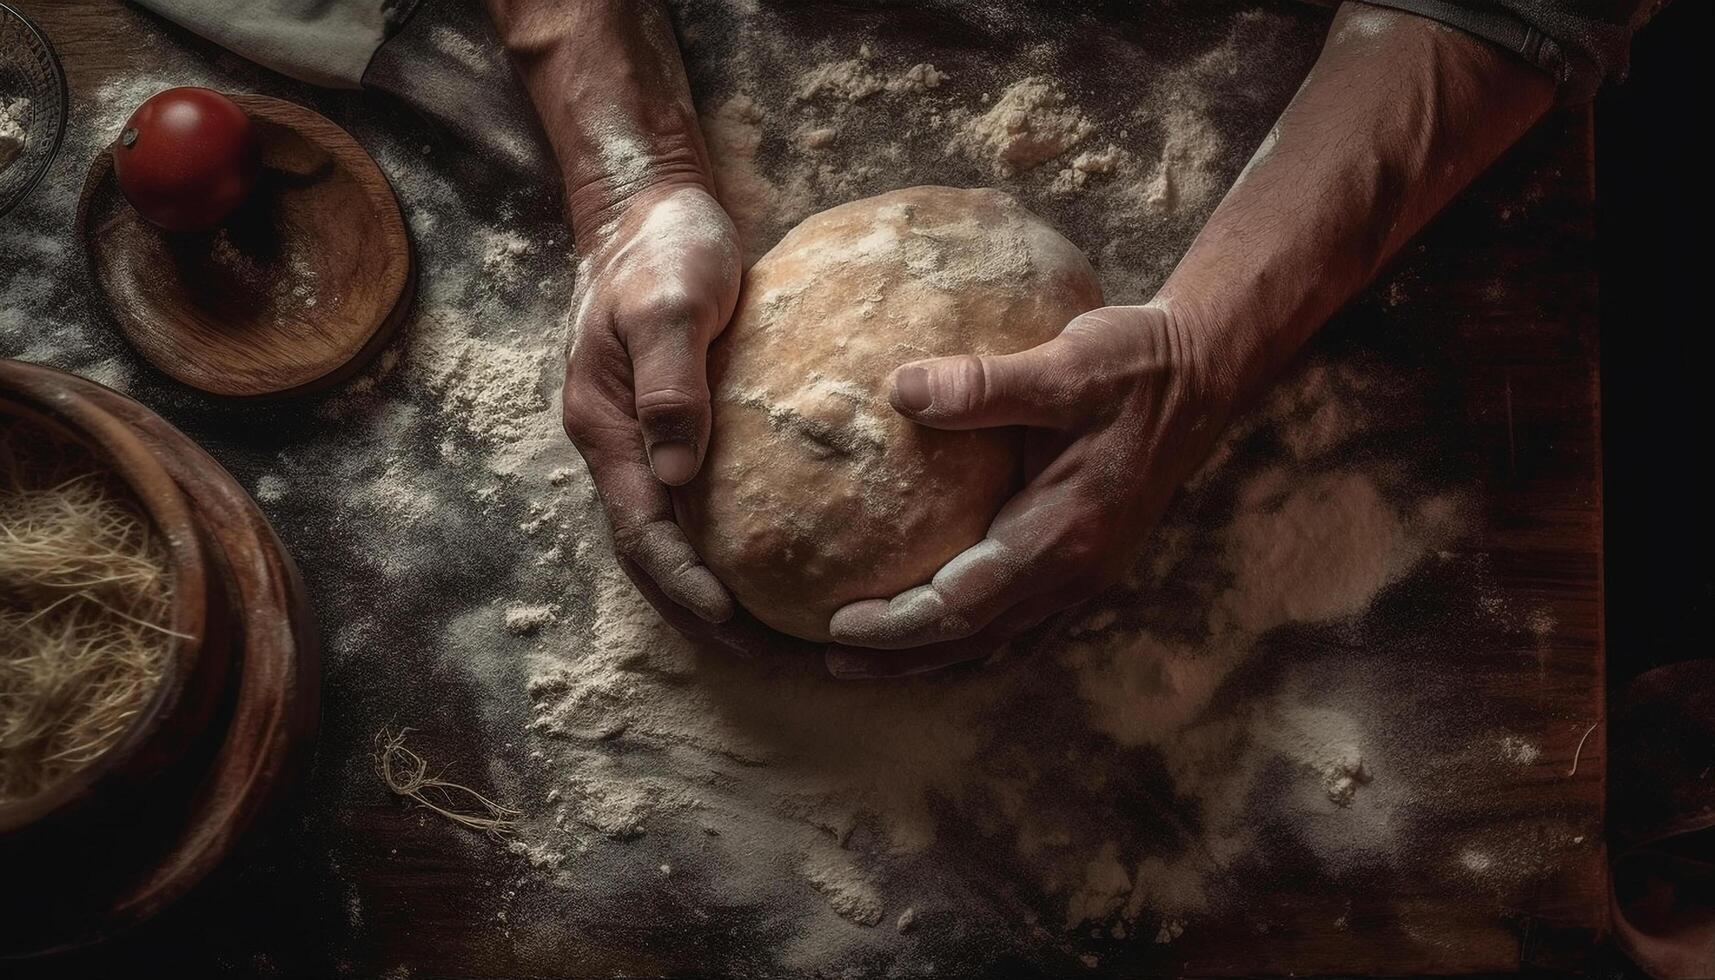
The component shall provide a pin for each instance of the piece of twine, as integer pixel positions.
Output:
(407, 774)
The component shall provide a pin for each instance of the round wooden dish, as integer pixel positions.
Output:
(293, 294)
(182, 703)
(197, 813)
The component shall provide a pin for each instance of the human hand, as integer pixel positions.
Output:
(1121, 407)
(657, 282)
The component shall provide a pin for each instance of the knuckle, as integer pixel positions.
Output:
(1078, 549)
(965, 383)
(670, 400)
(665, 308)
(630, 541)
(581, 414)
(1103, 347)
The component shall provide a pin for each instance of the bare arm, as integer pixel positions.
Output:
(607, 82)
(1397, 115)
(658, 271)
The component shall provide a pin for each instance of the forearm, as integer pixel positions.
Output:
(607, 81)
(1398, 114)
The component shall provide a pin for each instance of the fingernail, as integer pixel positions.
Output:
(911, 390)
(673, 462)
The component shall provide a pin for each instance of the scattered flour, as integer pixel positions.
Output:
(1519, 751)
(270, 488)
(522, 620)
(1090, 163)
(1311, 551)
(118, 373)
(1323, 741)
(847, 891)
(858, 78)
(1031, 123)
(1228, 684)
(813, 766)
(487, 388)
(502, 250)
(1136, 175)
(13, 112)
(733, 132)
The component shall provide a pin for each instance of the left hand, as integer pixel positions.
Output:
(657, 282)
(1121, 407)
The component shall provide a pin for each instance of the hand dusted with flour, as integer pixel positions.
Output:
(815, 493)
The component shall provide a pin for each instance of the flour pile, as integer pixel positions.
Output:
(1136, 168)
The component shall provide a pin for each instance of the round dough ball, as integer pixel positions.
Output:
(815, 492)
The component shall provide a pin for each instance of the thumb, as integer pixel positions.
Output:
(671, 386)
(1036, 387)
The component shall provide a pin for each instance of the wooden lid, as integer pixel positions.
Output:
(294, 293)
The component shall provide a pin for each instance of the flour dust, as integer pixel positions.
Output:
(1115, 777)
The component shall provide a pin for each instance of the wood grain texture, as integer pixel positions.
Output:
(1504, 285)
(130, 863)
(294, 293)
(192, 676)
(268, 739)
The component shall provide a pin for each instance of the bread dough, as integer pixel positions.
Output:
(814, 492)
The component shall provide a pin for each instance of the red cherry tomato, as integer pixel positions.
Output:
(187, 158)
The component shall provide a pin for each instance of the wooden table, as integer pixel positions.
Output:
(1505, 279)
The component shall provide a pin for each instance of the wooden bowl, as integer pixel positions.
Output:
(182, 703)
(297, 291)
(79, 877)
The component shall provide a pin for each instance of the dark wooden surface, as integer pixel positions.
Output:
(1506, 276)
(300, 288)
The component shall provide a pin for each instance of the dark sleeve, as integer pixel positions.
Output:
(1581, 43)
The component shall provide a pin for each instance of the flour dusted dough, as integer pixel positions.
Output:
(815, 493)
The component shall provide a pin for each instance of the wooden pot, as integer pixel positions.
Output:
(226, 738)
(179, 709)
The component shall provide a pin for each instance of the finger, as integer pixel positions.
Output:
(660, 549)
(741, 634)
(858, 663)
(669, 365)
(640, 513)
(597, 416)
(1037, 387)
(1015, 562)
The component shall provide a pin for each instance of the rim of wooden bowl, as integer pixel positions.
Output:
(35, 393)
(385, 217)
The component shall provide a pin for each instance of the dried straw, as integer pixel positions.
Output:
(406, 774)
(85, 593)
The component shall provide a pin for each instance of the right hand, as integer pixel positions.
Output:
(657, 282)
